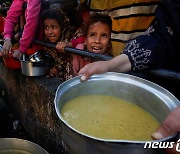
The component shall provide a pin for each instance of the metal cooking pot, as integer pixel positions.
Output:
(29, 68)
(153, 98)
(35, 66)
(15, 145)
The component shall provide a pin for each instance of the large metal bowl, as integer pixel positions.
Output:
(153, 98)
(19, 146)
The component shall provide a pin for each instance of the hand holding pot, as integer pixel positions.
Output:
(7, 46)
(94, 68)
(170, 126)
(119, 63)
(17, 54)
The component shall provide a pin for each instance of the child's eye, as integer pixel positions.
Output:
(92, 34)
(46, 27)
(104, 35)
(53, 27)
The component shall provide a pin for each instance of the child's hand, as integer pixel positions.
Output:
(61, 45)
(6, 49)
(17, 53)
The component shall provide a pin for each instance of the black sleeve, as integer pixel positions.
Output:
(159, 46)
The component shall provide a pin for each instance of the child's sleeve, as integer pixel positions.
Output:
(32, 21)
(77, 41)
(12, 18)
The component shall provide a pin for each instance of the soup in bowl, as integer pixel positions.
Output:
(108, 103)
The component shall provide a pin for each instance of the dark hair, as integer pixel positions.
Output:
(99, 17)
(54, 14)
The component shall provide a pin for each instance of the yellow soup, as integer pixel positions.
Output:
(109, 117)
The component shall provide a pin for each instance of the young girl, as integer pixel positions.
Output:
(56, 25)
(157, 48)
(97, 40)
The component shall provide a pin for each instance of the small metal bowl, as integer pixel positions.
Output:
(37, 64)
(36, 57)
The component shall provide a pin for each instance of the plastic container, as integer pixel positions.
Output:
(2, 24)
(11, 62)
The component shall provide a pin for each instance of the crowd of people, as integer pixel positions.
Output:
(156, 47)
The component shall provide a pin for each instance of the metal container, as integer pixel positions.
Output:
(35, 65)
(153, 98)
(36, 57)
(15, 145)
(29, 68)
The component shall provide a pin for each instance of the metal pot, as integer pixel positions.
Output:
(153, 98)
(35, 66)
(15, 145)
(29, 68)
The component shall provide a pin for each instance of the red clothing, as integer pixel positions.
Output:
(77, 41)
(78, 61)
(32, 21)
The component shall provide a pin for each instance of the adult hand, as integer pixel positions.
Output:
(6, 49)
(17, 54)
(94, 68)
(170, 126)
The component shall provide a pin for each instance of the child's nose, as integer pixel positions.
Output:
(97, 39)
(49, 30)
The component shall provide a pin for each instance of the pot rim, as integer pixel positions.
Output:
(42, 61)
(76, 80)
(11, 143)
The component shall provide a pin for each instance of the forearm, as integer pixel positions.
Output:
(32, 21)
(120, 63)
(12, 18)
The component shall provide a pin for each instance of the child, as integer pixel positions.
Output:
(97, 40)
(157, 48)
(55, 25)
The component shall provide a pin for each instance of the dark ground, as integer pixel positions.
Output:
(10, 126)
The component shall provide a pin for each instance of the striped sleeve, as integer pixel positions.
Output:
(130, 19)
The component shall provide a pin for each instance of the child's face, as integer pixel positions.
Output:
(98, 38)
(52, 30)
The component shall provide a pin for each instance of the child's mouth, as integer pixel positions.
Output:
(96, 49)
